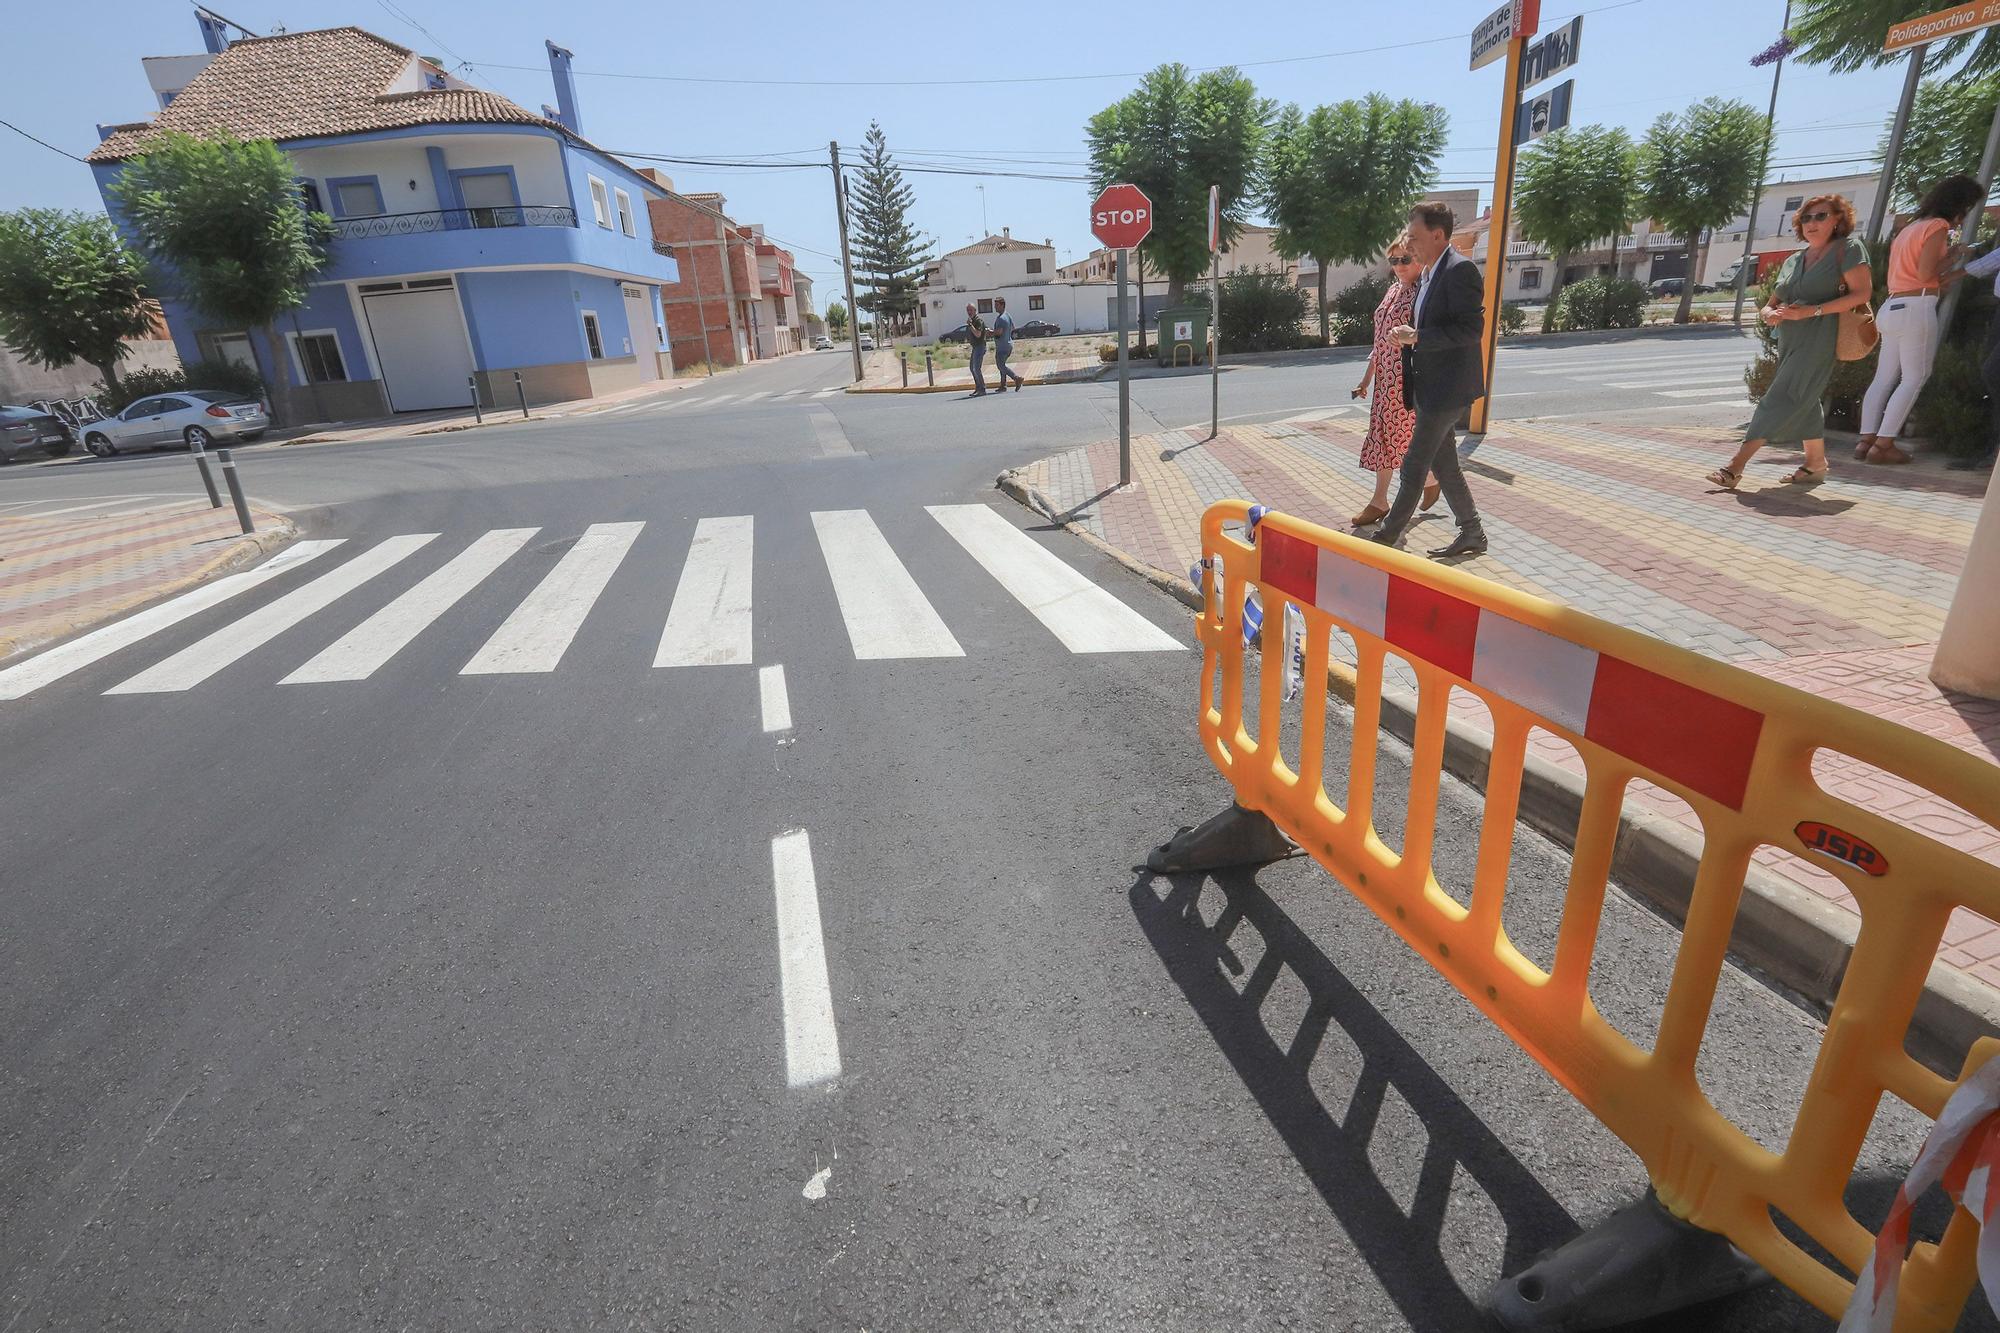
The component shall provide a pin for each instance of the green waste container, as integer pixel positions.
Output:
(1183, 335)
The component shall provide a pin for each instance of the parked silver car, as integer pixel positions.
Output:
(186, 417)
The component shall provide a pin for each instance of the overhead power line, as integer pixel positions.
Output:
(43, 142)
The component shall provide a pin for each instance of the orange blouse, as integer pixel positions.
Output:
(1903, 274)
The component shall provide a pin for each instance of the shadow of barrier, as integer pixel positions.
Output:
(1739, 750)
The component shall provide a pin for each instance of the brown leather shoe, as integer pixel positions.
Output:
(1431, 493)
(1372, 514)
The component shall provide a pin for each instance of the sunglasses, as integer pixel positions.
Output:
(1820, 216)
(1399, 260)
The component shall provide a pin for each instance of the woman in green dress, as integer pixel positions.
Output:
(1814, 285)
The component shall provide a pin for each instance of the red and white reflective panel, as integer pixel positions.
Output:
(1700, 740)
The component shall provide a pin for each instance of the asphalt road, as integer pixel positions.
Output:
(595, 993)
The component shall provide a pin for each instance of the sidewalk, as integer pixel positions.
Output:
(881, 374)
(1839, 591)
(62, 573)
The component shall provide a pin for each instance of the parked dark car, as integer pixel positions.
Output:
(1666, 286)
(24, 431)
(957, 335)
(1037, 328)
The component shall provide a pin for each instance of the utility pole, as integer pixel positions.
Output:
(1748, 261)
(700, 306)
(1887, 185)
(846, 264)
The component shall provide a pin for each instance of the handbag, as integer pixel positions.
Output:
(1858, 334)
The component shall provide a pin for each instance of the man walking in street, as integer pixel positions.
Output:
(1442, 376)
(975, 338)
(1003, 344)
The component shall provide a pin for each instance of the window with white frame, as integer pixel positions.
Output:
(316, 353)
(625, 223)
(600, 202)
(592, 336)
(1531, 279)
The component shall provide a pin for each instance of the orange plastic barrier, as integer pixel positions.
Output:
(1738, 748)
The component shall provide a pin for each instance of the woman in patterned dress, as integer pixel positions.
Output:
(1389, 420)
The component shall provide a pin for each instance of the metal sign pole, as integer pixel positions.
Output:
(1214, 311)
(1887, 185)
(1496, 233)
(1124, 378)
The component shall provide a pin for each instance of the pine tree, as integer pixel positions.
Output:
(888, 253)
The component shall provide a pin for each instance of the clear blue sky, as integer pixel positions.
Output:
(74, 65)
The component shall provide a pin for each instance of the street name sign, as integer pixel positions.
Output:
(1558, 51)
(1953, 22)
(1517, 18)
(1122, 217)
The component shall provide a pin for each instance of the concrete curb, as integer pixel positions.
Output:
(241, 551)
(1783, 932)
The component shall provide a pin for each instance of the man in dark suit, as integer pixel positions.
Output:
(1442, 376)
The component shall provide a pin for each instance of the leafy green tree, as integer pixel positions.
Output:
(1698, 170)
(1575, 187)
(1947, 133)
(69, 289)
(1339, 181)
(887, 251)
(224, 228)
(1847, 35)
(1173, 137)
(836, 318)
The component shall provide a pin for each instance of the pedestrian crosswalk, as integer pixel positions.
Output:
(884, 607)
(698, 399)
(1707, 375)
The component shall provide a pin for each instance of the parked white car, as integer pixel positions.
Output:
(186, 417)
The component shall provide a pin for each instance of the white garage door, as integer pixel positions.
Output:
(645, 336)
(420, 346)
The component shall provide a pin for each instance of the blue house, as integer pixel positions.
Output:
(474, 239)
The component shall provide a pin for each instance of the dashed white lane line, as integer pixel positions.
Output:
(812, 1041)
(1711, 392)
(773, 699)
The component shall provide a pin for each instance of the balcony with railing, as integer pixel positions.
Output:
(499, 236)
(454, 219)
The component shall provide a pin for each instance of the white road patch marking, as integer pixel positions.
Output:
(718, 400)
(364, 649)
(886, 612)
(1714, 392)
(812, 1042)
(816, 1187)
(825, 392)
(1084, 616)
(773, 699)
(535, 637)
(709, 622)
(78, 653)
(197, 662)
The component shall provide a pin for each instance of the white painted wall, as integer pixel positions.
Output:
(405, 172)
(1083, 307)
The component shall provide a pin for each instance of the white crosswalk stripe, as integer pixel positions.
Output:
(753, 397)
(825, 392)
(1085, 617)
(709, 624)
(1713, 391)
(363, 650)
(60, 661)
(883, 607)
(886, 612)
(197, 662)
(535, 637)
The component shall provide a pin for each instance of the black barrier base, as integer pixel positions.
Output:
(1236, 837)
(1638, 1263)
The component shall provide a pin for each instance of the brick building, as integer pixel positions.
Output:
(711, 311)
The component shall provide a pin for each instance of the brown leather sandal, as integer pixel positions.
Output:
(1431, 492)
(1887, 452)
(1724, 478)
(1805, 476)
(1372, 514)
(1862, 449)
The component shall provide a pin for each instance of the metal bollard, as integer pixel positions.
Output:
(930, 371)
(472, 383)
(207, 477)
(904, 362)
(521, 394)
(236, 491)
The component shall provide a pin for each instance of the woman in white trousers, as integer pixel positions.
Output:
(1919, 270)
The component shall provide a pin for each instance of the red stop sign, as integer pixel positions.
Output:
(1122, 217)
